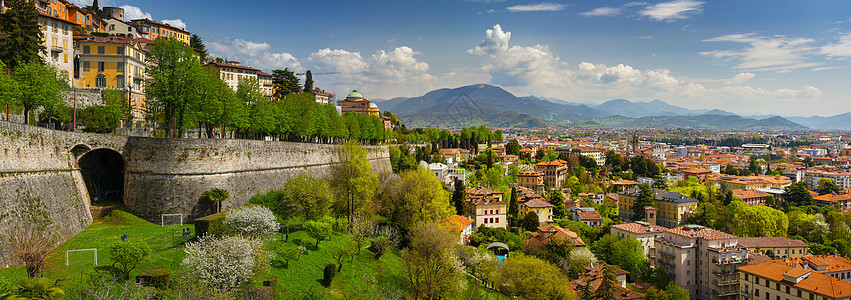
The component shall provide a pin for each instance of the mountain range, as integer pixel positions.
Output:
(484, 104)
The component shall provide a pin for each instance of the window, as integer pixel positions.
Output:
(101, 81)
(119, 50)
(119, 66)
(756, 292)
(86, 66)
(119, 81)
(101, 50)
(101, 66)
(86, 50)
(497, 220)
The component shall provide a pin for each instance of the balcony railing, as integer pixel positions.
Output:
(725, 282)
(730, 261)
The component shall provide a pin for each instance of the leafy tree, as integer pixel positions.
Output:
(128, 255)
(225, 263)
(608, 283)
(645, 198)
(826, 186)
(340, 252)
(217, 196)
(753, 166)
(252, 221)
(219, 107)
(627, 253)
(754, 221)
(512, 147)
(286, 253)
(37, 85)
(527, 277)
(798, 194)
(173, 75)
(676, 292)
(429, 263)
(319, 230)
(24, 41)
(352, 177)
(459, 195)
(308, 82)
(556, 198)
(311, 197)
(285, 83)
(530, 222)
(419, 198)
(262, 118)
(577, 260)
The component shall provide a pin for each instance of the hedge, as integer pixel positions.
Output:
(158, 278)
(211, 224)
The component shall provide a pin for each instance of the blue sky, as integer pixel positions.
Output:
(749, 57)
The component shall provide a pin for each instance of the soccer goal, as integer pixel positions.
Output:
(171, 217)
(81, 250)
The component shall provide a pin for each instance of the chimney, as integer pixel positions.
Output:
(650, 215)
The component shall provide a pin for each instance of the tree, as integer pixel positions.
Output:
(220, 107)
(754, 167)
(225, 263)
(430, 267)
(556, 198)
(217, 196)
(798, 195)
(420, 198)
(512, 147)
(577, 260)
(128, 255)
(627, 253)
(173, 75)
(459, 195)
(197, 43)
(36, 289)
(310, 196)
(513, 208)
(285, 83)
(319, 230)
(286, 253)
(308, 82)
(527, 277)
(530, 222)
(676, 292)
(826, 186)
(340, 252)
(38, 85)
(352, 177)
(608, 283)
(251, 221)
(24, 41)
(645, 198)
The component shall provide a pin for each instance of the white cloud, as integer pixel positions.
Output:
(645, 37)
(775, 53)
(673, 10)
(253, 54)
(740, 78)
(840, 49)
(495, 42)
(82, 3)
(543, 6)
(176, 23)
(602, 11)
(132, 13)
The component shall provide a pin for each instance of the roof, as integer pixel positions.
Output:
(159, 24)
(770, 242)
(696, 231)
(531, 173)
(814, 282)
(833, 197)
(224, 65)
(497, 245)
(594, 277)
(458, 223)
(557, 162)
(638, 228)
(589, 215)
(749, 194)
(557, 233)
(661, 195)
(537, 203)
(355, 94)
(373, 105)
(264, 74)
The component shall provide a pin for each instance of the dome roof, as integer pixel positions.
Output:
(372, 105)
(355, 94)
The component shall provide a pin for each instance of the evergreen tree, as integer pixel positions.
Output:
(308, 82)
(754, 166)
(198, 44)
(826, 186)
(23, 43)
(798, 195)
(458, 197)
(513, 209)
(645, 198)
(556, 198)
(285, 83)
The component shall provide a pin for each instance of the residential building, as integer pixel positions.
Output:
(841, 201)
(749, 182)
(542, 208)
(153, 30)
(699, 173)
(462, 226)
(486, 207)
(644, 232)
(751, 197)
(265, 81)
(355, 102)
(117, 26)
(702, 260)
(231, 72)
(593, 277)
(597, 154)
(323, 97)
(841, 179)
(440, 171)
(532, 179)
(57, 35)
(590, 217)
(113, 62)
(780, 247)
(555, 172)
(550, 233)
(782, 279)
(673, 208)
(814, 152)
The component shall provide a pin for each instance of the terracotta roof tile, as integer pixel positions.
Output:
(770, 242)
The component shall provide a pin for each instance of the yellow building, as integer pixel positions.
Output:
(113, 62)
(152, 30)
(672, 208)
(748, 182)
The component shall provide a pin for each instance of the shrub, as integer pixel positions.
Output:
(227, 262)
(41, 288)
(319, 230)
(330, 272)
(253, 221)
(211, 224)
(259, 293)
(158, 278)
(286, 253)
(128, 255)
(379, 246)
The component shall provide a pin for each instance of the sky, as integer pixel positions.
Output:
(752, 57)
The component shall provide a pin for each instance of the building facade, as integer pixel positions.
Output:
(780, 247)
(555, 172)
(113, 62)
(841, 179)
(672, 208)
(153, 30)
(785, 279)
(486, 207)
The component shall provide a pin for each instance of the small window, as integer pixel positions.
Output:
(86, 66)
(119, 81)
(100, 81)
(119, 66)
(86, 50)
(119, 50)
(101, 66)
(101, 50)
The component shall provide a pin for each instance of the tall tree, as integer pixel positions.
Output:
(38, 85)
(429, 264)
(197, 43)
(172, 84)
(513, 208)
(645, 198)
(23, 43)
(285, 83)
(798, 194)
(754, 166)
(556, 198)
(308, 82)
(352, 177)
(826, 186)
(512, 147)
(419, 199)
(8, 89)
(458, 197)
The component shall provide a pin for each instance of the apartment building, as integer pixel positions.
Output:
(749, 182)
(153, 30)
(231, 72)
(323, 97)
(780, 247)
(841, 179)
(597, 154)
(531, 179)
(555, 172)
(702, 260)
(841, 201)
(266, 87)
(113, 62)
(751, 197)
(486, 207)
(672, 208)
(805, 278)
(542, 208)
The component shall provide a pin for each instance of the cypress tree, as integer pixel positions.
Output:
(458, 197)
(23, 43)
(512, 207)
(308, 82)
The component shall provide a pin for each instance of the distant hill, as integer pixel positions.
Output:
(713, 122)
(656, 107)
(721, 113)
(388, 104)
(837, 122)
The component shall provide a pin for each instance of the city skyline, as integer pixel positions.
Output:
(787, 58)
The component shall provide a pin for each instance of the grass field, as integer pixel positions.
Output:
(300, 280)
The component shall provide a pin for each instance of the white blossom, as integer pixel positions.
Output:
(253, 221)
(225, 262)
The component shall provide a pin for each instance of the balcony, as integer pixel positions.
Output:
(663, 262)
(725, 293)
(57, 49)
(729, 261)
(725, 282)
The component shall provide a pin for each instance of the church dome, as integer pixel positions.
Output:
(355, 94)
(373, 105)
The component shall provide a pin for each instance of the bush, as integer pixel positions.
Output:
(379, 246)
(309, 243)
(259, 293)
(330, 272)
(212, 224)
(128, 255)
(253, 221)
(158, 278)
(227, 262)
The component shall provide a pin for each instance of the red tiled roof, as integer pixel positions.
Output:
(589, 215)
(748, 194)
(770, 242)
(702, 232)
(218, 64)
(160, 24)
(537, 203)
(833, 197)
(638, 228)
(814, 282)
(458, 223)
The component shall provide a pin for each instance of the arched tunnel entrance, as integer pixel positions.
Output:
(103, 172)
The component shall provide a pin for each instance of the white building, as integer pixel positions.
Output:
(231, 72)
(841, 179)
(440, 171)
(814, 152)
(58, 40)
(116, 26)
